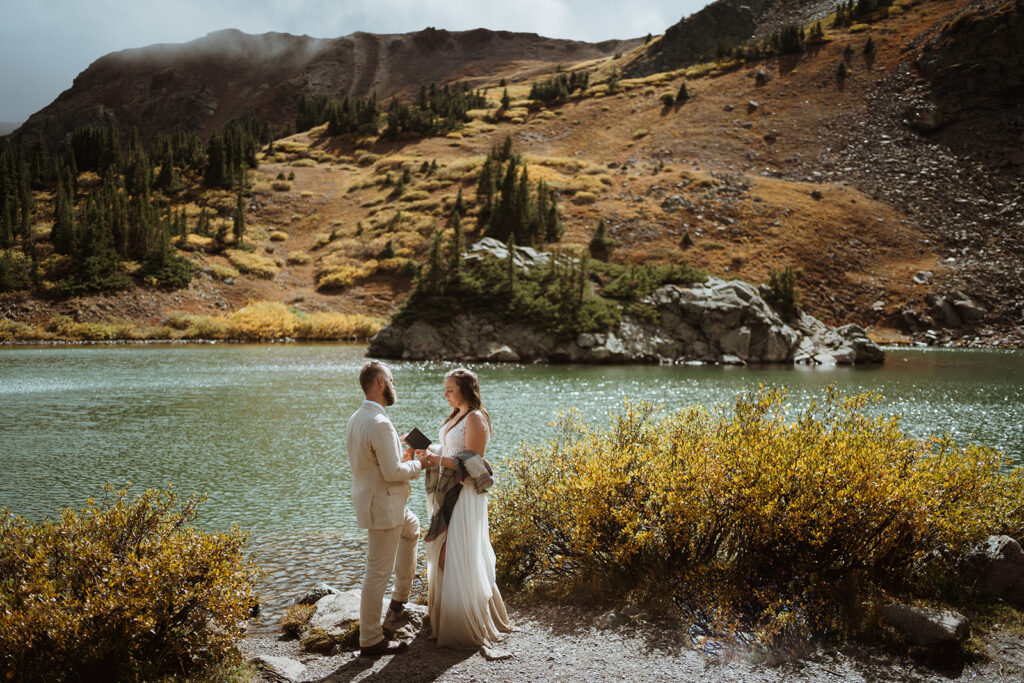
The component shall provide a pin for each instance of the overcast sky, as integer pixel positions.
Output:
(45, 44)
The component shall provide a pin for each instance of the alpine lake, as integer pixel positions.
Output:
(260, 429)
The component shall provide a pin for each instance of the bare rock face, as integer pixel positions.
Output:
(716, 321)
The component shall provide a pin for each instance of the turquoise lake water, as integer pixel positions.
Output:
(260, 428)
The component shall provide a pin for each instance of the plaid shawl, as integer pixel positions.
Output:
(446, 485)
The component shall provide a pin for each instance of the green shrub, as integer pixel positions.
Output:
(745, 515)
(122, 590)
(782, 292)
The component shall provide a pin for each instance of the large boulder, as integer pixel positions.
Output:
(996, 569)
(337, 613)
(929, 628)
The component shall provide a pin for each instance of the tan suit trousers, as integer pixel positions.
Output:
(390, 551)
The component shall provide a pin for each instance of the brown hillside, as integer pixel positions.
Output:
(835, 177)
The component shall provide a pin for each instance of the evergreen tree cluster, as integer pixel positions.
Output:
(510, 206)
(120, 219)
(852, 11)
(352, 115)
(787, 41)
(234, 149)
(16, 203)
(559, 86)
(557, 296)
(435, 111)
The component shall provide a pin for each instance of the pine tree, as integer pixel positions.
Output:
(63, 234)
(510, 267)
(459, 209)
(435, 274)
(457, 246)
(238, 220)
(682, 95)
(506, 101)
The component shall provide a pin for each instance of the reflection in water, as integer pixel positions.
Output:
(261, 428)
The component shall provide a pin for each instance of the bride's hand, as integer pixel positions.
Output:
(424, 457)
(407, 454)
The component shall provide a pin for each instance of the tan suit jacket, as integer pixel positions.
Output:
(380, 480)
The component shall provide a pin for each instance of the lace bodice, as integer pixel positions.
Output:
(454, 440)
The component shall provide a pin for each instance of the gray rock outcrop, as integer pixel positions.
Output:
(716, 321)
(930, 628)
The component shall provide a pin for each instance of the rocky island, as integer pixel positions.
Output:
(714, 321)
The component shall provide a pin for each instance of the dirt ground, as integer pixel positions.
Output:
(555, 642)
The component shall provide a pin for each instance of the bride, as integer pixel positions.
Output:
(466, 609)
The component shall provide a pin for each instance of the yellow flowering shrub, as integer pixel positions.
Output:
(125, 589)
(744, 512)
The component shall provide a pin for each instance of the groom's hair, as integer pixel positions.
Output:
(372, 369)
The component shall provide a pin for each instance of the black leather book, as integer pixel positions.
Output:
(417, 439)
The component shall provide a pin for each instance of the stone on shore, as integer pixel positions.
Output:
(279, 668)
(312, 596)
(335, 613)
(338, 613)
(996, 569)
(928, 628)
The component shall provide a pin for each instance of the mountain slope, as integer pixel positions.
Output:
(201, 85)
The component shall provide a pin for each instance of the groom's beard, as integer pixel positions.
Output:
(389, 396)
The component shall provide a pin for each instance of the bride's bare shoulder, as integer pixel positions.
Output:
(475, 420)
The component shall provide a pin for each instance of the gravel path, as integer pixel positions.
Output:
(563, 643)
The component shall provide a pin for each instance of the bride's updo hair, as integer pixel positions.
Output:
(469, 389)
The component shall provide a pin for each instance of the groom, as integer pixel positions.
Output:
(380, 490)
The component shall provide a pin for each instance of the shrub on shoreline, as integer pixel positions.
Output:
(765, 523)
(121, 590)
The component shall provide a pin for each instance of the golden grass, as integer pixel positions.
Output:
(266, 320)
(193, 242)
(478, 126)
(460, 169)
(364, 158)
(261, 320)
(252, 264)
(305, 162)
(415, 195)
(222, 272)
(306, 194)
(327, 326)
(278, 236)
(584, 198)
(291, 146)
(297, 257)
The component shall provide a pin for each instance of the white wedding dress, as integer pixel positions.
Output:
(466, 609)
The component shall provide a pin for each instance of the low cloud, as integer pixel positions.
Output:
(43, 46)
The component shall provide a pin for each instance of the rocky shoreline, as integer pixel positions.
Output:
(587, 643)
(718, 321)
